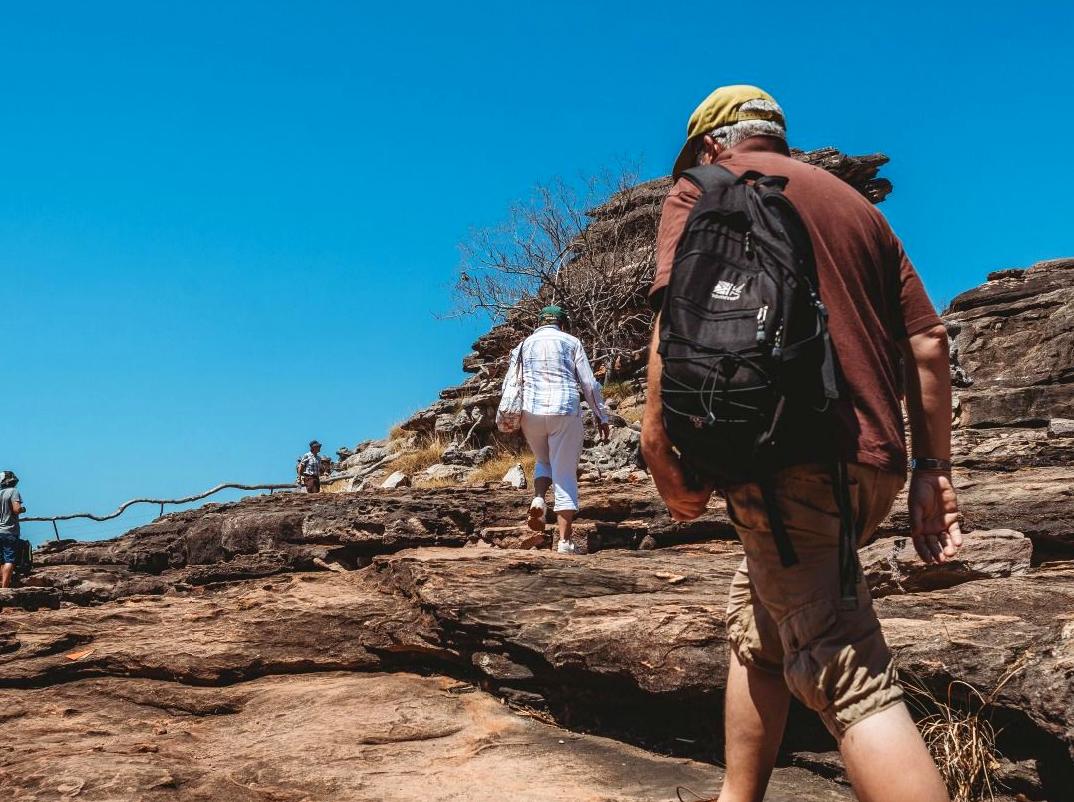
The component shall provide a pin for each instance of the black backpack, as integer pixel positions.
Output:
(750, 381)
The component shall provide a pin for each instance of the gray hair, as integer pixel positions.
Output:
(730, 135)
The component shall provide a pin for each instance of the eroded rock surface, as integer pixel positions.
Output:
(326, 737)
(627, 643)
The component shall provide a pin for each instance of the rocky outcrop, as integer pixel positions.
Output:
(464, 415)
(284, 533)
(353, 646)
(1014, 339)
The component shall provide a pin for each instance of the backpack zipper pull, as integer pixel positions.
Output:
(748, 244)
(762, 316)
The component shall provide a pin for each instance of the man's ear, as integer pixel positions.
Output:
(710, 149)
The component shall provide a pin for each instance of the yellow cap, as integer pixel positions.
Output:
(723, 107)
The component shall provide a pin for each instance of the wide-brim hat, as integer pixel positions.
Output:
(723, 107)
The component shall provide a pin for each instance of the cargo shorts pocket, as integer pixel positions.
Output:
(811, 646)
(838, 663)
(752, 635)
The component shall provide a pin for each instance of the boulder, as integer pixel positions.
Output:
(445, 473)
(1061, 427)
(891, 565)
(454, 455)
(515, 477)
(618, 454)
(397, 479)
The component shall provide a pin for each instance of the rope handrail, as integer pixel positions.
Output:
(161, 501)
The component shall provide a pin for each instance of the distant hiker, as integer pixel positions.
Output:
(11, 508)
(803, 433)
(311, 467)
(549, 371)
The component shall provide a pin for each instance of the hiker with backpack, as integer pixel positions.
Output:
(787, 308)
(547, 375)
(11, 507)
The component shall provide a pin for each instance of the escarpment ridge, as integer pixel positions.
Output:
(419, 643)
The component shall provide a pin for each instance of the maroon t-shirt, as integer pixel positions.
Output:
(873, 294)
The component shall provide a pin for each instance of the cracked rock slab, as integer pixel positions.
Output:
(326, 738)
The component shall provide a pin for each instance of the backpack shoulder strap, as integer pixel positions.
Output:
(709, 177)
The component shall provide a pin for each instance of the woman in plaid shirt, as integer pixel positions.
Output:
(554, 372)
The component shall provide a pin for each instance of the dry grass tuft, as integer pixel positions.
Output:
(414, 462)
(397, 432)
(495, 468)
(618, 390)
(433, 484)
(961, 739)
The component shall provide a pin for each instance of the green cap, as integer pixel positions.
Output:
(551, 314)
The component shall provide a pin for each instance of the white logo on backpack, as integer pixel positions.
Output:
(726, 291)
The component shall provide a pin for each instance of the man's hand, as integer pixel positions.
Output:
(934, 516)
(605, 432)
(684, 502)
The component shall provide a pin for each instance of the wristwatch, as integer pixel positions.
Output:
(929, 464)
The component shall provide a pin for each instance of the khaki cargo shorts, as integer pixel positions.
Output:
(788, 620)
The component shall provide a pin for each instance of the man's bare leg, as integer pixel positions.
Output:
(6, 572)
(755, 714)
(887, 759)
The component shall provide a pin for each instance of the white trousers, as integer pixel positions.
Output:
(556, 441)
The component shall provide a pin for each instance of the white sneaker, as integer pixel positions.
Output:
(538, 509)
(565, 547)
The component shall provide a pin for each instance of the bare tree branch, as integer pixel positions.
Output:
(552, 248)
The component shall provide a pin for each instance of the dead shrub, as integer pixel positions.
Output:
(495, 468)
(424, 456)
(960, 735)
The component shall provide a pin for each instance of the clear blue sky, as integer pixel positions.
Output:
(225, 228)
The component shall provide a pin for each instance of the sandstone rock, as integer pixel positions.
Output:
(515, 477)
(515, 537)
(891, 565)
(30, 598)
(397, 479)
(444, 473)
(615, 639)
(325, 738)
(470, 459)
(1061, 427)
(499, 667)
(617, 454)
(1014, 338)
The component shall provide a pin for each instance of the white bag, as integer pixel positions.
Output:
(509, 413)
